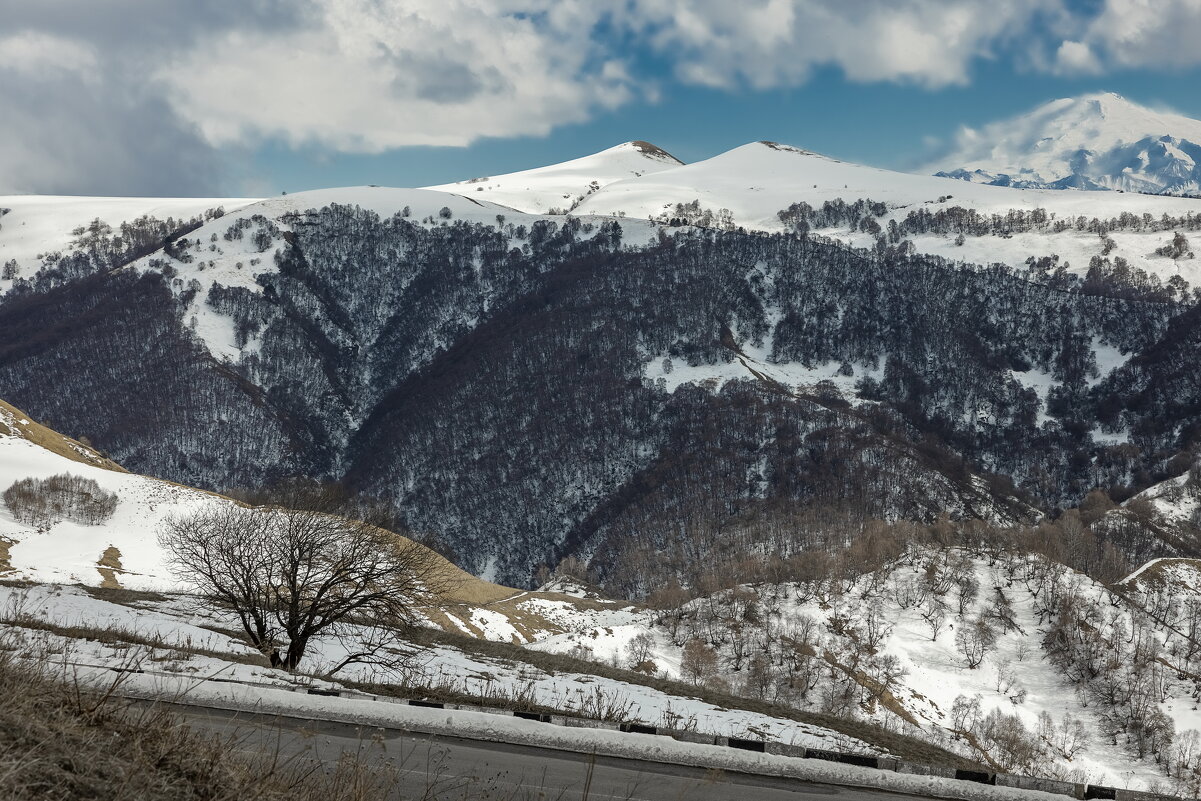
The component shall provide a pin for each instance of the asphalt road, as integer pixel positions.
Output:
(419, 766)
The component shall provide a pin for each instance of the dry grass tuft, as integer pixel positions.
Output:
(60, 741)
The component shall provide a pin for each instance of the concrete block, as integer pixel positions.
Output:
(918, 769)
(495, 710)
(690, 736)
(758, 746)
(1136, 795)
(541, 717)
(821, 753)
(860, 760)
(427, 704)
(1045, 785)
(782, 749)
(584, 723)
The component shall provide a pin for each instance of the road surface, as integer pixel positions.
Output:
(421, 766)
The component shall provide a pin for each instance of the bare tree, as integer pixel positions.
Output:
(640, 648)
(292, 575)
(934, 612)
(698, 662)
(973, 639)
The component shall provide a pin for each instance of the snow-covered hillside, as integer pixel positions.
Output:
(181, 646)
(123, 551)
(755, 182)
(1005, 657)
(559, 188)
(1097, 141)
(233, 250)
(1177, 500)
(32, 226)
(174, 636)
(748, 186)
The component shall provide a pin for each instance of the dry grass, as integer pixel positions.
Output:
(119, 637)
(121, 595)
(60, 741)
(49, 439)
(6, 565)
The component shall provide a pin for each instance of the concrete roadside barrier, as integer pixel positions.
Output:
(1045, 785)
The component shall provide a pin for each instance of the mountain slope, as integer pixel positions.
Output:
(754, 183)
(34, 226)
(1094, 141)
(69, 551)
(532, 387)
(122, 551)
(1003, 656)
(561, 187)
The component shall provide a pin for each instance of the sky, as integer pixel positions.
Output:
(256, 97)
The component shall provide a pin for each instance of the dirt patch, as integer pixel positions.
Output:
(646, 148)
(881, 693)
(109, 566)
(6, 566)
(122, 596)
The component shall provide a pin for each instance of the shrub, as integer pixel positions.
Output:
(42, 502)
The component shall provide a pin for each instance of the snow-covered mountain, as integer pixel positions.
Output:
(750, 185)
(1097, 141)
(316, 327)
(561, 187)
(745, 187)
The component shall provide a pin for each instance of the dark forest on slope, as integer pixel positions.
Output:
(490, 383)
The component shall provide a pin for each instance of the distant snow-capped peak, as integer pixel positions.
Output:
(1098, 141)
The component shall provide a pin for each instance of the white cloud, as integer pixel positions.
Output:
(1075, 58)
(75, 124)
(368, 75)
(770, 43)
(34, 54)
(1143, 34)
(141, 92)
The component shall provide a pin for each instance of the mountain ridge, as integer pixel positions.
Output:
(559, 188)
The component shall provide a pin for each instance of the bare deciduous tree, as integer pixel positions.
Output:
(698, 662)
(973, 639)
(292, 575)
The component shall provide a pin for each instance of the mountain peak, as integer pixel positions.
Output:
(651, 151)
(561, 187)
(1098, 140)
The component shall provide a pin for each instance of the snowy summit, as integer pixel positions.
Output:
(1098, 141)
(559, 188)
